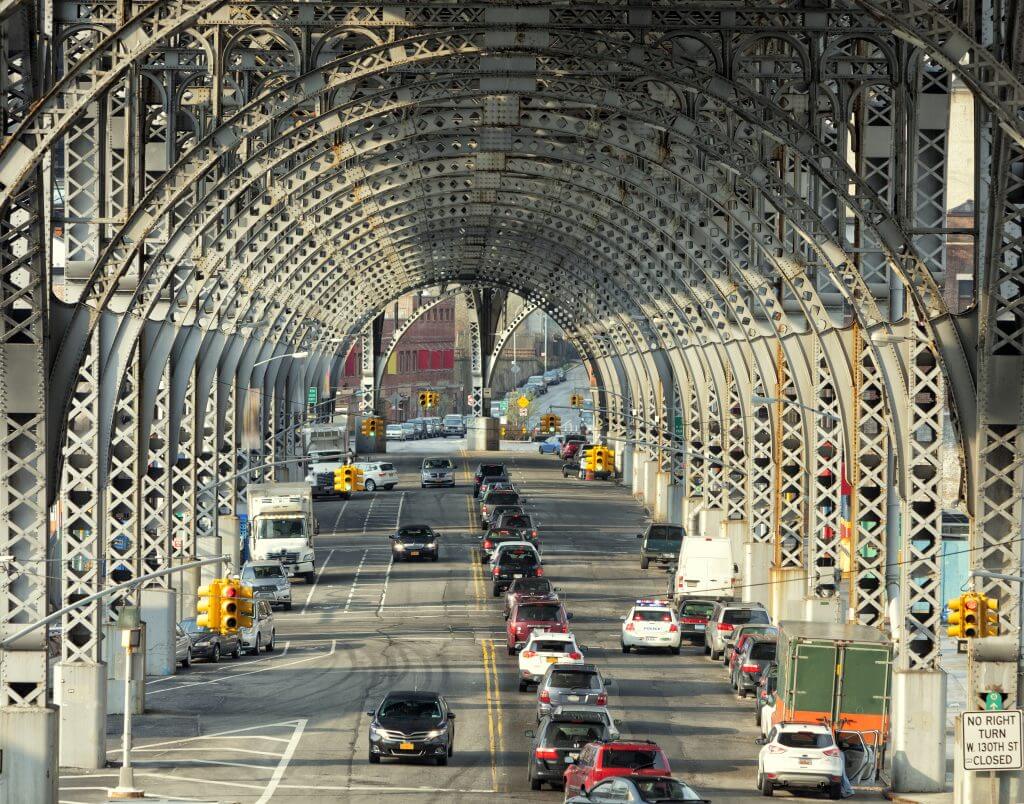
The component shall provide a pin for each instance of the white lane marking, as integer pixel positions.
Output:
(353, 788)
(165, 750)
(373, 502)
(316, 580)
(282, 766)
(231, 734)
(274, 666)
(355, 580)
(391, 563)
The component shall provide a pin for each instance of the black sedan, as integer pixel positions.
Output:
(413, 724)
(414, 541)
(210, 645)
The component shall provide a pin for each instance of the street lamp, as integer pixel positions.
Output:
(773, 400)
(280, 357)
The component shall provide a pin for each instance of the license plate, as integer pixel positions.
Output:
(518, 575)
(699, 627)
(805, 762)
(552, 659)
(406, 746)
(414, 553)
(575, 698)
(571, 757)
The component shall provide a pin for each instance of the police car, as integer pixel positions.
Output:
(651, 624)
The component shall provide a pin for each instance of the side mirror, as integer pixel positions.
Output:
(451, 716)
(369, 712)
(529, 733)
(639, 535)
(614, 734)
(761, 741)
(568, 616)
(608, 681)
(623, 618)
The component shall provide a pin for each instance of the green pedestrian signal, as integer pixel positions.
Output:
(993, 702)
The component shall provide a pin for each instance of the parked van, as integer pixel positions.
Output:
(705, 568)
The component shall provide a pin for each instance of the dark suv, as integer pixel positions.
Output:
(487, 470)
(661, 543)
(557, 741)
(410, 723)
(757, 653)
(514, 563)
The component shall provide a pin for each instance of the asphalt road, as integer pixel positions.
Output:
(291, 726)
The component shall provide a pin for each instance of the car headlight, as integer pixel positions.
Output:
(431, 545)
(307, 556)
(433, 735)
(399, 546)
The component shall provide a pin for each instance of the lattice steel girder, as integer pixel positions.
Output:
(396, 336)
(501, 338)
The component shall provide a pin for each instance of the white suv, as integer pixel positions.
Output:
(800, 755)
(651, 624)
(378, 475)
(542, 650)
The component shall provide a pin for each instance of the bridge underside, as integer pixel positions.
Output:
(739, 213)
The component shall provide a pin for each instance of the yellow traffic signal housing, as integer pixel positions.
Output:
(229, 607)
(244, 604)
(424, 397)
(555, 424)
(348, 478)
(965, 616)
(364, 428)
(989, 616)
(373, 426)
(208, 607)
(575, 400)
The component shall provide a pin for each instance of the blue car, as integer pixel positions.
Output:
(551, 446)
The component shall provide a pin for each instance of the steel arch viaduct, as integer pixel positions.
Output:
(737, 212)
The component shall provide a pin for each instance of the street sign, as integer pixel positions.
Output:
(992, 740)
(993, 701)
(523, 402)
(312, 397)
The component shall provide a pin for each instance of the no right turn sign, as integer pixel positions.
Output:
(992, 740)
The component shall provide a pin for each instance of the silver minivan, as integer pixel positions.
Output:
(437, 472)
(262, 633)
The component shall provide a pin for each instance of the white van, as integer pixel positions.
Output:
(378, 475)
(705, 567)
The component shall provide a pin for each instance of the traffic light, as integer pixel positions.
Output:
(989, 616)
(549, 423)
(575, 400)
(347, 478)
(243, 604)
(208, 607)
(965, 616)
(424, 397)
(600, 459)
(229, 607)
(371, 426)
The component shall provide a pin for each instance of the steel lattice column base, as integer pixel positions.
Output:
(822, 610)
(29, 735)
(624, 461)
(227, 529)
(919, 731)
(83, 713)
(188, 594)
(756, 566)
(157, 610)
(210, 547)
(673, 495)
(786, 601)
(484, 434)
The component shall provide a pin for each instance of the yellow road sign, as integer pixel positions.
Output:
(523, 402)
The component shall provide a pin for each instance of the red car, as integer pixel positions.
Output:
(570, 449)
(615, 758)
(523, 588)
(532, 614)
(736, 650)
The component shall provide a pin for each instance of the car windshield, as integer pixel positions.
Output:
(574, 680)
(413, 710)
(540, 612)
(263, 572)
(414, 534)
(696, 608)
(652, 615)
(570, 735)
(763, 650)
(661, 789)
(491, 470)
(532, 585)
(189, 627)
(805, 739)
(552, 646)
(501, 498)
(437, 463)
(518, 559)
(758, 629)
(280, 529)
(515, 521)
(636, 758)
(736, 616)
(664, 537)
(453, 420)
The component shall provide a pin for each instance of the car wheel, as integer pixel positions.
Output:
(215, 656)
(374, 758)
(256, 648)
(483, 557)
(434, 557)
(270, 644)
(835, 792)
(707, 650)
(237, 652)
(675, 650)
(309, 577)
(540, 450)
(645, 562)
(423, 485)
(625, 648)
(369, 485)
(757, 717)
(535, 784)
(523, 686)
(767, 788)
(395, 557)
(496, 592)
(742, 691)
(288, 606)
(187, 661)
(714, 654)
(511, 650)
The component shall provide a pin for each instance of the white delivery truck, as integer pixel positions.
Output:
(706, 568)
(327, 449)
(282, 526)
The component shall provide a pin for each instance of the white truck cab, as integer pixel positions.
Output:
(283, 527)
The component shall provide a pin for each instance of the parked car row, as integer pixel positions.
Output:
(795, 756)
(427, 427)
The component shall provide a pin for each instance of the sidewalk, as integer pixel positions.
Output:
(920, 798)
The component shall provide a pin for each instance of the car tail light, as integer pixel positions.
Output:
(488, 544)
(831, 752)
(724, 627)
(544, 697)
(546, 753)
(528, 654)
(575, 655)
(775, 749)
(692, 620)
(749, 668)
(666, 618)
(673, 628)
(602, 699)
(629, 626)
(495, 572)
(539, 572)
(534, 534)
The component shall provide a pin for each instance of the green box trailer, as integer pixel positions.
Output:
(835, 674)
